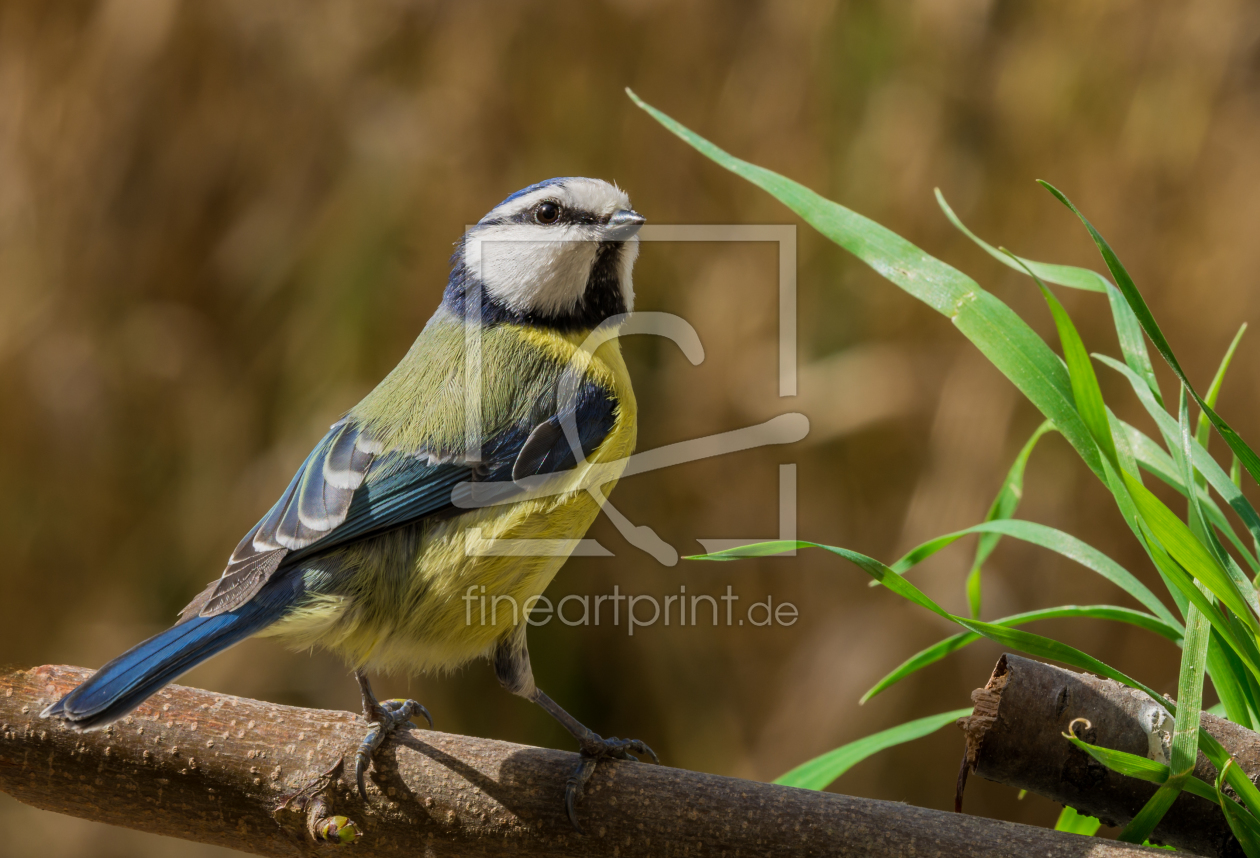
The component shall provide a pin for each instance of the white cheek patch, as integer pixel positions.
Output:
(532, 268)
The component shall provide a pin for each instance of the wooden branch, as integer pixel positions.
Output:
(1015, 737)
(215, 769)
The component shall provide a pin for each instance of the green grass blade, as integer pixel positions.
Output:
(1238, 639)
(1232, 772)
(1085, 390)
(1185, 744)
(953, 643)
(1141, 825)
(1133, 766)
(1246, 455)
(1077, 823)
(1003, 506)
(1132, 344)
(1168, 430)
(821, 771)
(1250, 679)
(1214, 389)
(1054, 540)
(1244, 825)
(1000, 334)
(1191, 554)
(1227, 674)
(1063, 275)
(974, 592)
(1129, 513)
(1226, 487)
(1128, 330)
(1156, 462)
(1194, 651)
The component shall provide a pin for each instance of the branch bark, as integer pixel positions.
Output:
(1015, 737)
(215, 769)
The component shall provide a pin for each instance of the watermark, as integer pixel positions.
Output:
(640, 610)
(786, 428)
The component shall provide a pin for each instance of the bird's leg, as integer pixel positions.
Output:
(385, 718)
(592, 747)
(511, 665)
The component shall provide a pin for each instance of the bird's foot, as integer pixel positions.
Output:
(385, 718)
(593, 749)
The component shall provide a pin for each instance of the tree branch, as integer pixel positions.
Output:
(1015, 737)
(214, 768)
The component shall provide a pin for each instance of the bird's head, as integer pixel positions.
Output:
(558, 254)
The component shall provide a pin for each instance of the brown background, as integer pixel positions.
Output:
(221, 223)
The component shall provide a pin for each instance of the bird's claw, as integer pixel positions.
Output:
(385, 718)
(592, 751)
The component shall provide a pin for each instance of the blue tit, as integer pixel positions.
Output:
(366, 553)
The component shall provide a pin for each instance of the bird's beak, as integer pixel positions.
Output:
(623, 225)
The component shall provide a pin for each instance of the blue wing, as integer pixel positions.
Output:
(313, 506)
(547, 448)
(350, 489)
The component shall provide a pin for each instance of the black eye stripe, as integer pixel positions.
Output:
(567, 217)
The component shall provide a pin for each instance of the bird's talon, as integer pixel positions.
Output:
(570, 800)
(384, 719)
(593, 750)
(573, 787)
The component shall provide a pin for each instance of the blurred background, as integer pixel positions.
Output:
(222, 223)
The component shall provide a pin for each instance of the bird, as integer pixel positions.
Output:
(366, 552)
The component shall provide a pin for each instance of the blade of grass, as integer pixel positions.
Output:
(952, 644)
(1244, 825)
(1128, 330)
(1159, 464)
(821, 771)
(1232, 772)
(1133, 766)
(1003, 507)
(1214, 389)
(1055, 540)
(1238, 639)
(1085, 391)
(1076, 823)
(1227, 674)
(1250, 680)
(1246, 455)
(1181, 545)
(1128, 508)
(1185, 741)
(1216, 477)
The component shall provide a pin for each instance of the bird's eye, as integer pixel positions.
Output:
(547, 212)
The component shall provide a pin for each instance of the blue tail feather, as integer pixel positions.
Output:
(131, 678)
